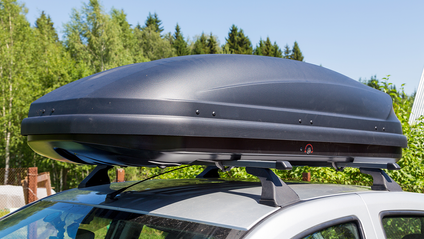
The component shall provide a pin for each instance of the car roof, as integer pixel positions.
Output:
(231, 204)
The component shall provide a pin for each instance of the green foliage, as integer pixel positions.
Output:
(287, 52)
(212, 45)
(154, 23)
(296, 53)
(153, 45)
(200, 45)
(93, 37)
(45, 26)
(237, 42)
(266, 48)
(4, 212)
(132, 49)
(399, 227)
(179, 44)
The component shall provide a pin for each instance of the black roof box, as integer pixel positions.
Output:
(214, 107)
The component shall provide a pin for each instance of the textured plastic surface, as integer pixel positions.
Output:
(213, 107)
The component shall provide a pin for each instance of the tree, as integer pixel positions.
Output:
(16, 80)
(237, 42)
(296, 53)
(153, 20)
(277, 51)
(92, 37)
(154, 47)
(53, 66)
(287, 52)
(45, 25)
(258, 48)
(132, 51)
(266, 48)
(179, 44)
(200, 45)
(212, 45)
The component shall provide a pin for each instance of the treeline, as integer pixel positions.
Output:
(35, 61)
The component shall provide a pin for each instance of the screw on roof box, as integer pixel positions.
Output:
(289, 105)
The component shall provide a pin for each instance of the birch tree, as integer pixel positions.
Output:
(15, 59)
(92, 37)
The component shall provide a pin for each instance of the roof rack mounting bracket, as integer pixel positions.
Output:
(338, 169)
(274, 191)
(381, 181)
(222, 167)
(209, 172)
(97, 177)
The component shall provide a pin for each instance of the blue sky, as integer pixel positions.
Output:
(356, 38)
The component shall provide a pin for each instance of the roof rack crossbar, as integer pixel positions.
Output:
(388, 166)
(274, 191)
(282, 165)
(381, 181)
(97, 177)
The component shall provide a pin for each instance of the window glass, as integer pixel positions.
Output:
(64, 220)
(408, 227)
(44, 220)
(346, 230)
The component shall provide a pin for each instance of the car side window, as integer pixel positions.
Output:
(403, 226)
(347, 230)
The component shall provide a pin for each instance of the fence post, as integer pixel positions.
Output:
(120, 175)
(32, 184)
(306, 176)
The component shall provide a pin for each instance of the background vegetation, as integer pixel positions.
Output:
(35, 61)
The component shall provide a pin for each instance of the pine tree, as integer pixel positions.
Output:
(296, 53)
(16, 79)
(268, 49)
(258, 48)
(287, 52)
(153, 20)
(200, 45)
(212, 45)
(237, 42)
(179, 44)
(265, 48)
(277, 51)
(45, 26)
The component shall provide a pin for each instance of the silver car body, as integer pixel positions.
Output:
(235, 205)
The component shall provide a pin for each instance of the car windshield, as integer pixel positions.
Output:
(48, 219)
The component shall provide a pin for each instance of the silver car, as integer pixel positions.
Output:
(217, 208)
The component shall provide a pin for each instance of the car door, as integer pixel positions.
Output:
(396, 214)
(345, 214)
